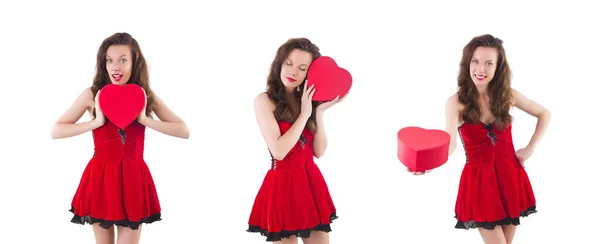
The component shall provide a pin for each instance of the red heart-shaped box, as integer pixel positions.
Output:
(329, 79)
(122, 104)
(420, 149)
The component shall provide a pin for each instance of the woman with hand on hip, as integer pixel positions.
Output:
(494, 189)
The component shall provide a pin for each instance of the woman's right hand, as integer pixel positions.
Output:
(306, 100)
(418, 173)
(99, 119)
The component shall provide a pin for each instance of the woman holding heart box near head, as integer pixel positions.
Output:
(494, 190)
(116, 187)
(293, 201)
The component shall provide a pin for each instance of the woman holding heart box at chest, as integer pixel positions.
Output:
(293, 201)
(494, 190)
(116, 187)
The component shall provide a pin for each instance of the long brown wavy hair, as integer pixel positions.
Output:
(276, 88)
(139, 73)
(499, 88)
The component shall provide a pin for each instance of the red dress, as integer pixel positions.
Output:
(116, 187)
(294, 198)
(494, 188)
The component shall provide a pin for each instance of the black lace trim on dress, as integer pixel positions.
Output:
(303, 141)
(305, 233)
(462, 141)
(123, 135)
(106, 224)
(491, 225)
(491, 135)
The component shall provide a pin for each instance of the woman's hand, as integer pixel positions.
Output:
(99, 120)
(523, 155)
(326, 105)
(418, 173)
(142, 117)
(306, 101)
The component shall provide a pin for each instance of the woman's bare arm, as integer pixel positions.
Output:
(67, 125)
(278, 144)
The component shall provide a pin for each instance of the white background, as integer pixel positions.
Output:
(209, 61)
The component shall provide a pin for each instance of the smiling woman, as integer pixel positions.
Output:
(494, 190)
(116, 188)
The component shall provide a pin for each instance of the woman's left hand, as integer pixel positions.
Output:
(523, 155)
(142, 117)
(326, 105)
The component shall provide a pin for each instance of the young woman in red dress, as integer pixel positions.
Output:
(293, 201)
(494, 190)
(116, 187)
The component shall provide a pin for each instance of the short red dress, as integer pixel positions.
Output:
(494, 188)
(294, 198)
(116, 187)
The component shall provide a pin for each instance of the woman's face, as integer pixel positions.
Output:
(119, 64)
(294, 68)
(483, 65)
